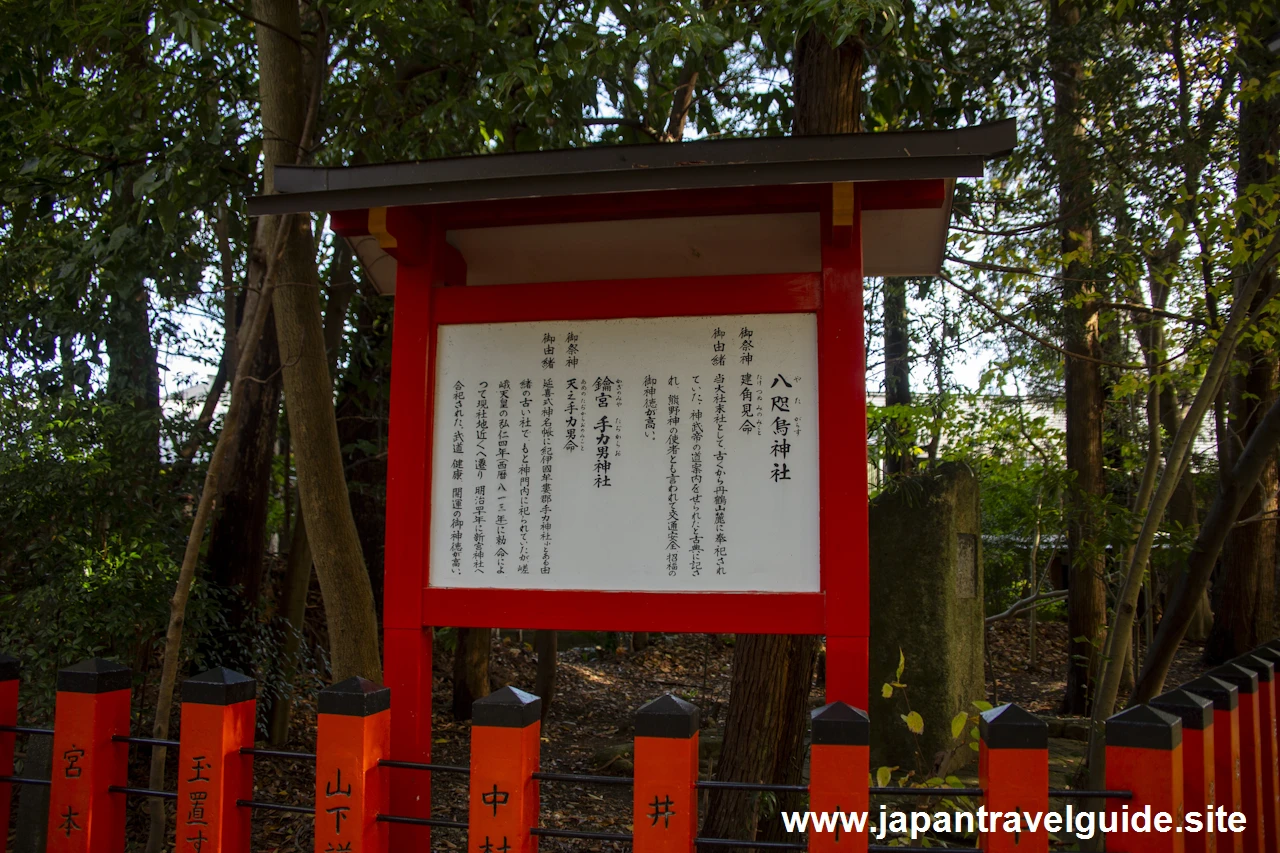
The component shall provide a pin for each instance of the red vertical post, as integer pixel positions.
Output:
(1013, 772)
(506, 740)
(414, 243)
(842, 434)
(665, 805)
(353, 735)
(839, 774)
(1270, 653)
(1268, 768)
(1196, 713)
(9, 671)
(1226, 750)
(1144, 755)
(218, 713)
(92, 707)
(1250, 753)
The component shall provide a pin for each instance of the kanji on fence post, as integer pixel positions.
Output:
(839, 774)
(1196, 713)
(1144, 755)
(506, 740)
(218, 717)
(1246, 682)
(1226, 750)
(1013, 772)
(353, 735)
(92, 707)
(9, 671)
(665, 806)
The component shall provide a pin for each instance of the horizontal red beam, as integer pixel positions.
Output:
(783, 293)
(902, 195)
(590, 610)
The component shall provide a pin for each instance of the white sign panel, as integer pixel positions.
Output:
(658, 454)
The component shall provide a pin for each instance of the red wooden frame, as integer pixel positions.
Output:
(429, 293)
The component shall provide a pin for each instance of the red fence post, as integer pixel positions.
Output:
(1264, 668)
(665, 817)
(1226, 750)
(353, 735)
(1013, 772)
(1196, 713)
(839, 774)
(506, 741)
(92, 706)
(1144, 755)
(9, 670)
(1250, 753)
(218, 716)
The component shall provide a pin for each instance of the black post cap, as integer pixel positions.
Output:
(1195, 711)
(839, 724)
(1267, 652)
(9, 668)
(355, 697)
(1224, 695)
(1011, 727)
(219, 686)
(667, 716)
(508, 708)
(94, 676)
(1263, 667)
(1144, 727)
(1234, 673)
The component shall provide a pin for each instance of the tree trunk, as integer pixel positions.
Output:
(546, 644)
(1184, 512)
(1246, 605)
(470, 670)
(772, 675)
(322, 489)
(898, 443)
(292, 613)
(1086, 602)
(764, 731)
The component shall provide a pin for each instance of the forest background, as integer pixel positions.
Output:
(1118, 269)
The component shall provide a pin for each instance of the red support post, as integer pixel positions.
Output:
(9, 671)
(506, 741)
(839, 774)
(1226, 750)
(353, 736)
(1196, 713)
(92, 707)
(218, 716)
(1268, 767)
(1250, 753)
(1144, 755)
(665, 805)
(1013, 772)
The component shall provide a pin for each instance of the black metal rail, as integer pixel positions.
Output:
(277, 753)
(751, 786)
(590, 835)
(885, 848)
(415, 765)
(422, 821)
(23, 780)
(25, 730)
(1081, 795)
(275, 807)
(757, 845)
(144, 741)
(925, 792)
(142, 792)
(579, 777)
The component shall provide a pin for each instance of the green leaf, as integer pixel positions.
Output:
(982, 705)
(883, 775)
(886, 691)
(957, 724)
(902, 664)
(915, 722)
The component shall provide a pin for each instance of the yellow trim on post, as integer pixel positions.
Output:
(842, 204)
(378, 227)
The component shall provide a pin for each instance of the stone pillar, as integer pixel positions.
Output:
(926, 601)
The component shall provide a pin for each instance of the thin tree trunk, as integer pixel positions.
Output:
(1086, 602)
(898, 456)
(546, 644)
(470, 670)
(308, 388)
